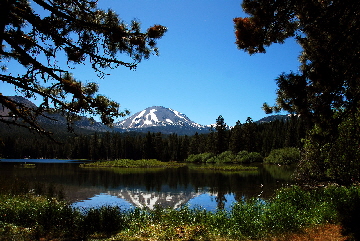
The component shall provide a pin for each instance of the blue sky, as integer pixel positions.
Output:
(200, 72)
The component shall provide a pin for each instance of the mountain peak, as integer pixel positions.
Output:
(159, 116)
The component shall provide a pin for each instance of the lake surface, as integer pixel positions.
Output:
(145, 187)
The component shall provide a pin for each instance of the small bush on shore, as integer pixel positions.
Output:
(283, 156)
(226, 157)
(248, 157)
(199, 158)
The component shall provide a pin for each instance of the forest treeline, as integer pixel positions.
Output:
(248, 136)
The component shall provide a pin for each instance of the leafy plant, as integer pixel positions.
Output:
(226, 157)
(283, 156)
(199, 158)
(248, 157)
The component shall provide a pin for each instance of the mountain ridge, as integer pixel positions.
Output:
(151, 119)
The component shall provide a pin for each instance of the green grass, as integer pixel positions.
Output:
(143, 163)
(290, 210)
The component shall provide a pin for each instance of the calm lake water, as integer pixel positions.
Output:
(128, 188)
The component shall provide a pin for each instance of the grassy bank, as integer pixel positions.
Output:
(153, 163)
(291, 211)
(143, 163)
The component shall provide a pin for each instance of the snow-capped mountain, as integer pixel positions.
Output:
(161, 119)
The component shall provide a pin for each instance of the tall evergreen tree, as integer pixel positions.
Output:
(249, 135)
(210, 142)
(326, 90)
(194, 144)
(184, 148)
(160, 148)
(221, 135)
(236, 142)
(149, 151)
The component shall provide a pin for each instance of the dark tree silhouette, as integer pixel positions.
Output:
(326, 90)
(82, 33)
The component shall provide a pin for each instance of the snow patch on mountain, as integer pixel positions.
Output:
(157, 116)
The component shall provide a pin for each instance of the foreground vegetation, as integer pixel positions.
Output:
(291, 210)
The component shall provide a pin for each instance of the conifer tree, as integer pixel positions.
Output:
(326, 90)
(210, 142)
(235, 143)
(249, 135)
(194, 144)
(221, 138)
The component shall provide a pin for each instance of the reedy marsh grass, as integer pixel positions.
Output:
(144, 163)
(28, 216)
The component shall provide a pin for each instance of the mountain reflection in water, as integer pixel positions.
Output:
(130, 187)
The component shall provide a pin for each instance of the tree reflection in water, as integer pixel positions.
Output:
(170, 187)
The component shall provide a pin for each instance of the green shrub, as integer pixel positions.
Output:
(283, 156)
(106, 219)
(291, 209)
(45, 216)
(199, 158)
(224, 157)
(248, 157)
(247, 218)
